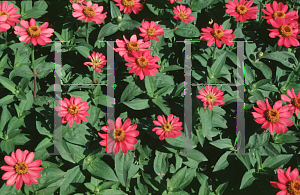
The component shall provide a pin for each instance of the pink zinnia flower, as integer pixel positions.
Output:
(286, 30)
(278, 10)
(21, 169)
(126, 47)
(34, 34)
(150, 31)
(211, 96)
(98, 61)
(217, 34)
(294, 100)
(167, 128)
(77, 1)
(173, 1)
(183, 13)
(9, 11)
(276, 118)
(3, 25)
(73, 110)
(89, 13)
(119, 136)
(288, 183)
(142, 64)
(241, 10)
(129, 5)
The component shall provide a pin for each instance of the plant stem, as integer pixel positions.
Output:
(34, 70)
(87, 32)
(94, 76)
(214, 53)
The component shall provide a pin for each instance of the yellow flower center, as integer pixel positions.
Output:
(76, 1)
(151, 31)
(271, 115)
(286, 30)
(241, 9)
(89, 12)
(96, 62)
(279, 14)
(34, 31)
(293, 187)
(72, 109)
(142, 61)
(167, 127)
(296, 102)
(210, 97)
(133, 46)
(182, 15)
(21, 168)
(127, 3)
(217, 33)
(4, 13)
(119, 135)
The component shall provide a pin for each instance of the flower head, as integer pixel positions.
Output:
(98, 61)
(142, 64)
(3, 25)
(289, 184)
(126, 47)
(173, 1)
(286, 30)
(150, 31)
(33, 33)
(21, 169)
(217, 34)
(167, 128)
(72, 110)
(276, 118)
(119, 136)
(278, 10)
(293, 99)
(129, 6)
(242, 10)
(183, 13)
(77, 1)
(211, 96)
(89, 13)
(9, 11)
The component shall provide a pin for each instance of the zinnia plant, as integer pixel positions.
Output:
(293, 99)
(170, 127)
(21, 169)
(183, 13)
(129, 6)
(241, 10)
(10, 11)
(89, 13)
(150, 31)
(211, 96)
(97, 61)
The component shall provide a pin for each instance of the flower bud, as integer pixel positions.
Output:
(260, 55)
(119, 19)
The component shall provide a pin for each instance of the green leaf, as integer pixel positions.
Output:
(200, 4)
(84, 51)
(206, 120)
(221, 188)
(3, 63)
(247, 179)
(7, 100)
(78, 134)
(114, 10)
(257, 140)
(163, 105)
(112, 192)
(261, 83)
(14, 123)
(181, 179)
(171, 68)
(130, 92)
(218, 64)
(128, 25)
(7, 146)
(204, 189)
(266, 71)
(137, 104)
(245, 159)
(73, 176)
(160, 164)
(179, 141)
(277, 161)
(222, 163)
(45, 143)
(187, 30)
(282, 57)
(123, 162)
(34, 13)
(21, 71)
(107, 30)
(222, 143)
(8, 84)
(163, 80)
(25, 6)
(99, 168)
(150, 85)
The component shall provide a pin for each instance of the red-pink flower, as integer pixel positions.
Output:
(129, 5)
(289, 184)
(98, 61)
(217, 34)
(183, 13)
(142, 64)
(286, 30)
(150, 31)
(3, 25)
(119, 136)
(126, 47)
(293, 99)
(211, 96)
(167, 128)
(77, 1)
(278, 10)
(242, 10)
(173, 1)
(21, 169)
(276, 118)
(33, 33)
(72, 110)
(89, 13)
(9, 11)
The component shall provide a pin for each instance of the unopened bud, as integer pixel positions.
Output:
(119, 19)
(260, 55)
